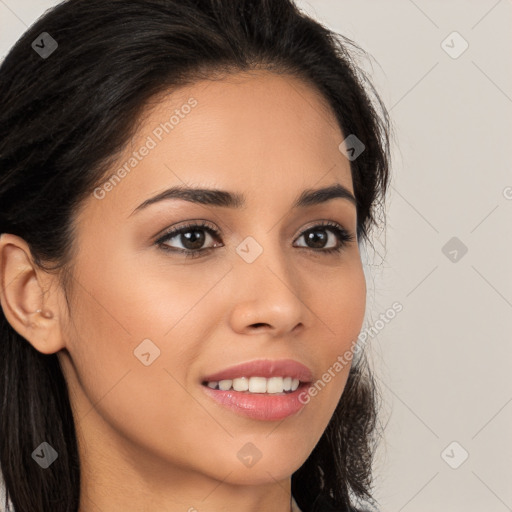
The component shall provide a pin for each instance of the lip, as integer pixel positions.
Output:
(264, 368)
(261, 406)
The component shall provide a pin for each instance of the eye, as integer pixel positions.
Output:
(318, 237)
(192, 237)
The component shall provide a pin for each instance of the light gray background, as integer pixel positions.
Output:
(443, 363)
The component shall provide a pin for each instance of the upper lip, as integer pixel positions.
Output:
(264, 368)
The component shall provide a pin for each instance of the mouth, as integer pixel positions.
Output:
(263, 390)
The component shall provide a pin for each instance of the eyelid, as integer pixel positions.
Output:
(191, 224)
(324, 223)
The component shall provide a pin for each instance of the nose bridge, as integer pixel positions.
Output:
(268, 288)
(263, 255)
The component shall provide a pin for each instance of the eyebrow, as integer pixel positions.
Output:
(223, 198)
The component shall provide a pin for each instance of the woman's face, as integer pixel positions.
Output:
(148, 324)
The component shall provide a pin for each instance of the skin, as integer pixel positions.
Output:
(149, 437)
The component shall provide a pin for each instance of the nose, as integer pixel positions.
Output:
(268, 297)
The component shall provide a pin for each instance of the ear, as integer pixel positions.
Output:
(30, 309)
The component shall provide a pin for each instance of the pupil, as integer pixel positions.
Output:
(318, 238)
(193, 239)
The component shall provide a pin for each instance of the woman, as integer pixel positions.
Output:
(185, 187)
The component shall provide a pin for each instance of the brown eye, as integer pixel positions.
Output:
(190, 239)
(326, 238)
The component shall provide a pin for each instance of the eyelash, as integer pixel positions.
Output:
(342, 234)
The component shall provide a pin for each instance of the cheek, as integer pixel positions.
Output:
(341, 308)
(340, 302)
(119, 304)
(132, 297)
(112, 313)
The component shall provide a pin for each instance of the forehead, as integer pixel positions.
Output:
(254, 109)
(256, 132)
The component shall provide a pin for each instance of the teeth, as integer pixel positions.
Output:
(224, 385)
(241, 384)
(257, 384)
(275, 385)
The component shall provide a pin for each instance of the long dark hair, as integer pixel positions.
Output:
(65, 117)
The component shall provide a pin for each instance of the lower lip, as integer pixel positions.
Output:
(259, 406)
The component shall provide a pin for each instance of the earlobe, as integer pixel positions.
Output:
(23, 286)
